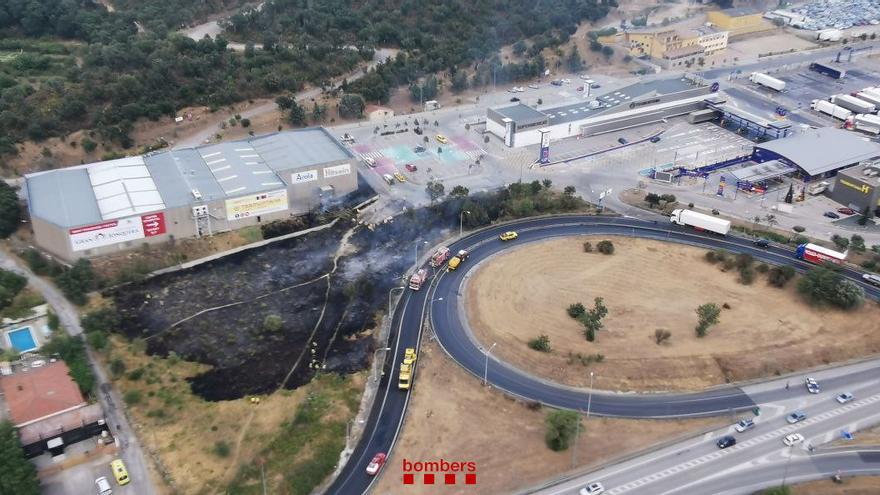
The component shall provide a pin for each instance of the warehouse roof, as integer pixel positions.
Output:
(741, 11)
(129, 186)
(520, 112)
(822, 150)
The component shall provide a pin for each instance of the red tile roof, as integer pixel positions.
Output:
(40, 392)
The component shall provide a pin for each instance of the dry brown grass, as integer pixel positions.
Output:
(648, 285)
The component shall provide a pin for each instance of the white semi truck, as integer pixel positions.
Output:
(831, 109)
(853, 103)
(767, 81)
(699, 221)
(867, 123)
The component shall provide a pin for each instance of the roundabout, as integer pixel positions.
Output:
(441, 306)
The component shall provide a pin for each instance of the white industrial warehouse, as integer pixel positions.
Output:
(638, 104)
(114, 205)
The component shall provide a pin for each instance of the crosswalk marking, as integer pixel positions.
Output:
(371, 154)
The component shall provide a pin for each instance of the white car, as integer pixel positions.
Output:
(533, 86)
(566, 81)
(584, 77)
(871, 279)
(744, 425)
(812, 385)
(593, 489)
(845, 397)
(103, 486)
(792, 439)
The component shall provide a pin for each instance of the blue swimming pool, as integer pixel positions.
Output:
(22, 339)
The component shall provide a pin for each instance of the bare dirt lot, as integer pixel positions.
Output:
(866, 485)
(649, 285)
(452, 416)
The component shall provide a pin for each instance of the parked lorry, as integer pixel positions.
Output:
(457, 260)
(828, 70)
(818, 254)
(853, 103)
(867, 123)
(418, 278)
(699, 221)
(870, 97)
(767, 81)
(818, 188)
(440, 257)
(831, 109)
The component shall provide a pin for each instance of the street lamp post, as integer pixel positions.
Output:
(486, 368)
(577, 430)
(461, 222)
(416, 257)
(389, 297)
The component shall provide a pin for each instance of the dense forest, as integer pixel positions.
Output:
(70, 64)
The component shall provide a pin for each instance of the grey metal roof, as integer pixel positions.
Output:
(520, 112)
(762, 171)
(68, 198)
(290, 150)
(63, 197)
(822, 150)
(623, 96)
(740, 11)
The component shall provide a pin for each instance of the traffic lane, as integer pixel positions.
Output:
(842, 380)
(383, 421)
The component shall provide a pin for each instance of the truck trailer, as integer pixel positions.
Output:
(818, 254)
(828, 70)
(700, 221)
(767, 81)
(829, 35)
(831, 109)
(853, 103)
(702, 116)
(872, 98)
(867, 123)
(418, 278)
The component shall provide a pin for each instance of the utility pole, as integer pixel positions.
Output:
(486, 369)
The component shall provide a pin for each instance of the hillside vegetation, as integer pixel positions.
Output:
(70, 64)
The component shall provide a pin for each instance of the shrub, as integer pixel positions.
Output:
(690, 205)
(605, 247)
(747, 275)
(588, 247)
(711, 257)
(135, 374)
(841, 242)
(576, 310)
(132, 397)
(799, 239)
(729, 263)
(822, 285)
(744, 261)
(763, 268)
(560, 429)
(221, 449)
(708, 315)
(798, 229)
(661, 335)
(715, 212)
(541, 343)
(117, 367)
(779, 276)
(272, 323)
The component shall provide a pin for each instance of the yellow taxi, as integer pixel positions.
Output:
(119, 471)
(509, 236)
(409, 355)
(400, 177)
(441, 139)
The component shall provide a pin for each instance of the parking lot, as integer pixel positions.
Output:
(77, 471)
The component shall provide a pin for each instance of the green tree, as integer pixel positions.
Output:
(605, 247)
(576, 310)
(319, 112)
(72, 351)
(560, 429)
(459, 81)
(840, 241)
(592, 319)
(825, 286)
(607, 52)
(19, 474)
(117, 367)
(272, 323)
(10, 210)
(88, 145)
(573, 61)
(857, 243)
(519, 48)
(297, 115)
(541, 343)
(652, 199)
(459, 192)
(351, 106)
(708, 314)
(779, 276)
(78, 281)
(595, 46)
(435, 190)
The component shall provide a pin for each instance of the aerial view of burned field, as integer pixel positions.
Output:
(270, 317)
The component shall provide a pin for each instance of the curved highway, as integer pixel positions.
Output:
(448, 323)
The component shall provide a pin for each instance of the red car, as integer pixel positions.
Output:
(411, 167)
(846, 211)
(376, 464)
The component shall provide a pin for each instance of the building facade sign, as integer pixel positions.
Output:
(336, 171)
(256, 204)
(303, 176)
(106, 233)
(862, 188)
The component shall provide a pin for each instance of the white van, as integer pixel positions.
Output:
(389, 179)
(370, 162)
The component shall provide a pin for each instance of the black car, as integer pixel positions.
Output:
(514, 99)
(417, 131)
(420, 149)
(622, 141)
(762, 243)
(831, 214)
(655, 139)
(725, 442)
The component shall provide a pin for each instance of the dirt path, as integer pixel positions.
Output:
(649, 285)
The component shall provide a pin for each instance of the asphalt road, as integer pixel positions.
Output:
(386, 417)
(759, 459)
